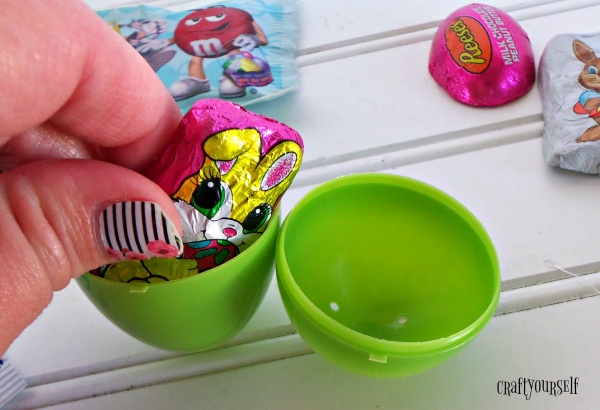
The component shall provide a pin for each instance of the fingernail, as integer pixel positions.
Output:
(138, 230)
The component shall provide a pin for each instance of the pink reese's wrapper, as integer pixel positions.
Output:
(510, 72)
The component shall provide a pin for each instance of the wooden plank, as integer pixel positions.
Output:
(349, 106)
(383, 101)
(527, 207)
(525, 239)
(540, 344)
(333, 24)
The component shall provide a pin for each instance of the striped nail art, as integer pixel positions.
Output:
(138, 230)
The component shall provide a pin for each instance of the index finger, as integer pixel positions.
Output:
(60, 62)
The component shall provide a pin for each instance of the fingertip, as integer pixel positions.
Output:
(51, 211)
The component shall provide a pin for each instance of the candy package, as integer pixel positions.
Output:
(241, 50)
(226, 170)
(569, 83)
(482, 57)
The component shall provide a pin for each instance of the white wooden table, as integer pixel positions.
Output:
(360, 108)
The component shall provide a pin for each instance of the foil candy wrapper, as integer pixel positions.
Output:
(482, 57)
(569, 84)
(226, 170)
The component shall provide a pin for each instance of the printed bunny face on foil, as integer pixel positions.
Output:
(233, 195)
(225, 169)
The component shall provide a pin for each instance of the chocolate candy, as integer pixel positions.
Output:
(226, 170)
(570, 89)
(482, 57)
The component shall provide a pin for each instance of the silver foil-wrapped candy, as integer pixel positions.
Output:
(569, 83)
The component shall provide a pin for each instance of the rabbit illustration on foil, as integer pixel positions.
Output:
(589, 100)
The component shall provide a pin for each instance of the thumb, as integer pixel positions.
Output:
(61, 218)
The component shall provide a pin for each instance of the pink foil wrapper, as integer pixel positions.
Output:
(226, 170)
(186, 154)
(482, 57)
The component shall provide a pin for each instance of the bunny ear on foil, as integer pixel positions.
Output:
(226, 169)
(185, 156)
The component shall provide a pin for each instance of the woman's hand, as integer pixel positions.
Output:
(80, 112)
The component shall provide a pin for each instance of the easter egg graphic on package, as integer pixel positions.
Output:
(482, 57)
